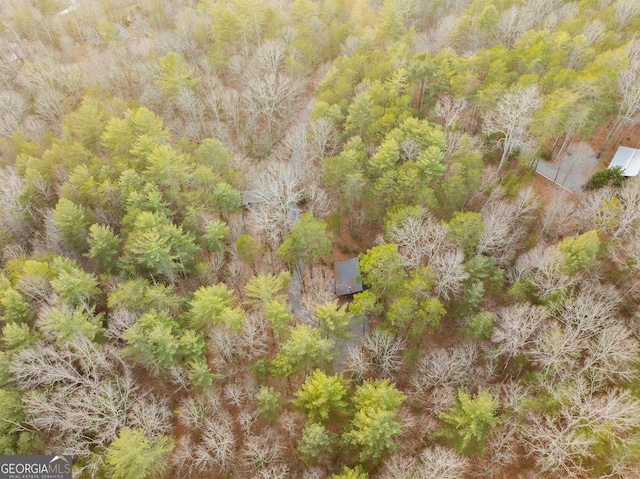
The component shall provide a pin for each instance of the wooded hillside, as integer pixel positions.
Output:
(177, 178)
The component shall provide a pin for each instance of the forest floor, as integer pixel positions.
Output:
(547, 190)
(353, 239)
(629, 136)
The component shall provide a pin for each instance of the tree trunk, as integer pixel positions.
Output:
(563, 147)
(616, 139)
(505, 153)
(555, 143)
(614, 127)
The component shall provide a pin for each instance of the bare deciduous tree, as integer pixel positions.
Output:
(81, 396)
(594, 30)
(440, 400)
(194, 113)
(541, 268)
(270, 94)
(218, 446)
(442, 463)
(511, 118)
(450, 272)
(314, 473)
(629, 91)
(589, 310)
(323, 137)
(194, 412)
(246, 419)
(556, 351)
(119, 321)
(318, 289)
(35, 287)
(453, 367)
(626, 256)
(151, 414)
(626, 11)
(254, 337)
(419, 237)
(629, 216)
(225, 347)
(514, 22)
(450, 109)
(611, 356)
(183, 456)
(179, 377)
(614, 213)
(234, 394)
(12, 112)
(43, 365)
(261, 452)
(503, 445)
(560, 444)
(505, 224)
(557, 218)
(398, 466)
(516, 327)
(358, 363)
(13, 211)
(278, 186)
(273, 471)
(587, 339)
(384, 350)
(317, 201)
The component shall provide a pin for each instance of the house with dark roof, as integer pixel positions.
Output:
(346, 277)
(250, 197)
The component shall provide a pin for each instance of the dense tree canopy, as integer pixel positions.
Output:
(177, 178)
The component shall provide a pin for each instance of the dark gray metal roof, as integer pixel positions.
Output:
(250, 197)
(346, 274)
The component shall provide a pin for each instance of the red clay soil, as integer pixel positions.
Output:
(630, 137)
(547, 190)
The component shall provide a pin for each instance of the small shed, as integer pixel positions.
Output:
(628, 159)
(346, 277)
(250, 197)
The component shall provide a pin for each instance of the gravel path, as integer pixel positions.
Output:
(572, 170)
(295, 286)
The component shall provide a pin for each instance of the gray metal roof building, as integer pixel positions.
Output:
(628, 159)
(346, 274)
(251, 197)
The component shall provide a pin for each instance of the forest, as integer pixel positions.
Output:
(178, 177)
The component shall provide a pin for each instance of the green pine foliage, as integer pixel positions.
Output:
(322, 396)
(470, 420)
(375, 424)
(269, 403)
(606, 177)
(174, 74)
(308, 241)
(133, 455)
(315, 442)
(580, 252)
(303, 350)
